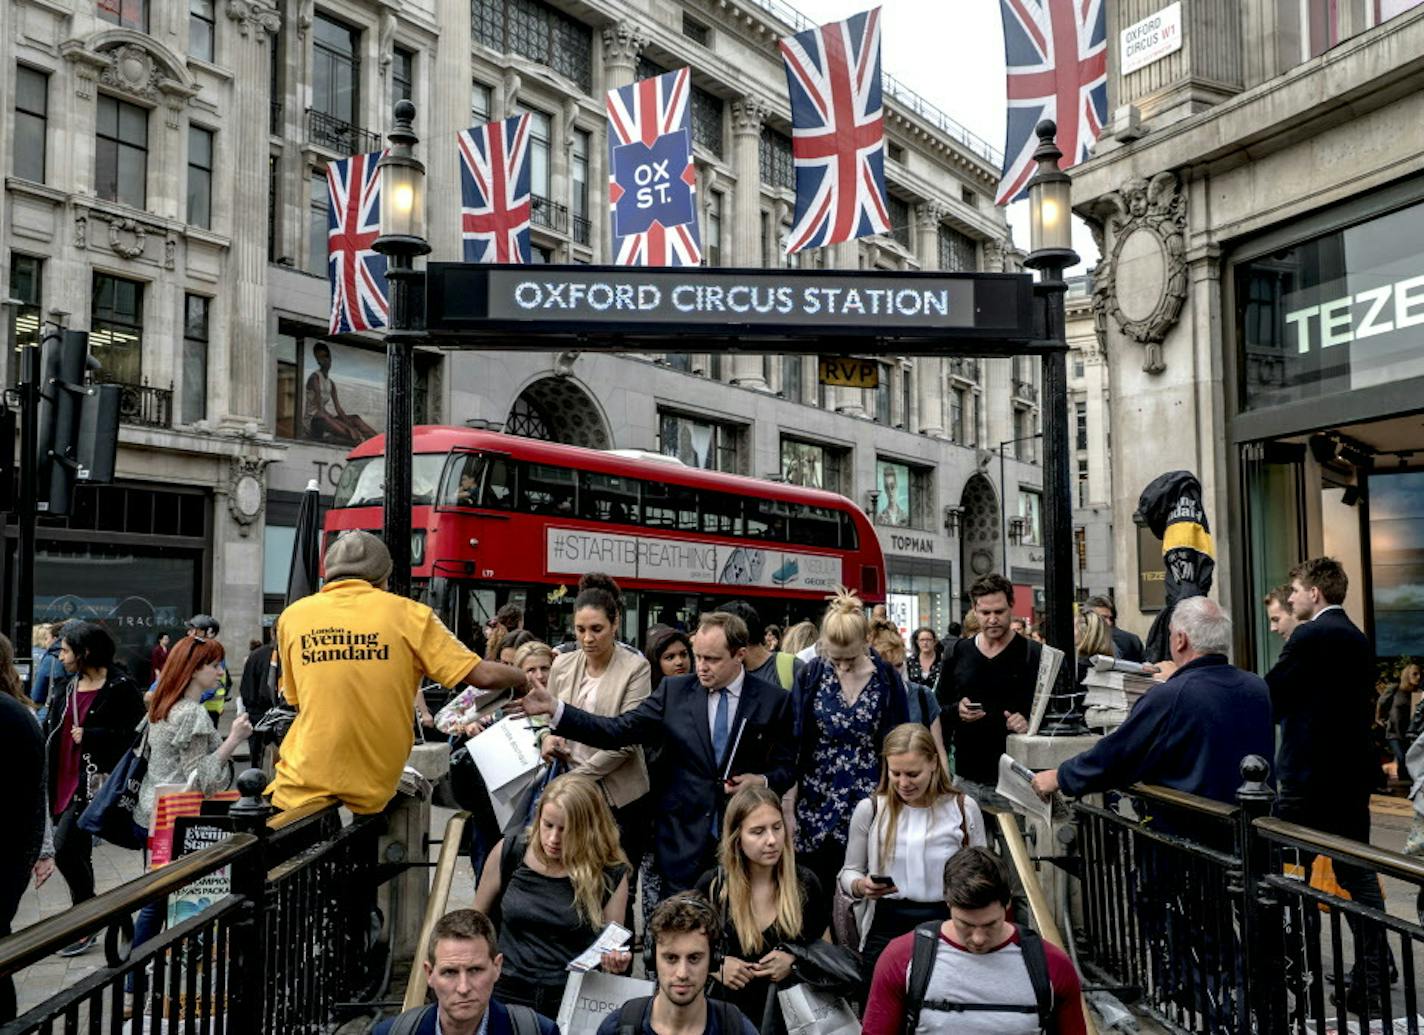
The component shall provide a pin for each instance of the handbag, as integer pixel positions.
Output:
(111, 813)
(834, 969)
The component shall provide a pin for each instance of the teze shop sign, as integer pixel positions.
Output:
(589, 299)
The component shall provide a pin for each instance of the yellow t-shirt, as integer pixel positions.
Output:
(352, 658)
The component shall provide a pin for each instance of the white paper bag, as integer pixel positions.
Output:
(809, 1012)
(591, 996)
(505, 752)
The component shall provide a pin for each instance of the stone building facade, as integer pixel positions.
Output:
(1256, 196)
(164, 189)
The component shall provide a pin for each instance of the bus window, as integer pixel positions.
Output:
(815, 526)
(670, 506)
(498, 491)
(767, 519)
(547, 490)
(721, 513)
(606, 497)
(462, 480)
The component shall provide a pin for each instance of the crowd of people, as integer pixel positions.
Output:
(761, 791)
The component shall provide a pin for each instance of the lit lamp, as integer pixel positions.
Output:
(1050, 205)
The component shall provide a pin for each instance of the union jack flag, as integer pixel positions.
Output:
(353, 221)
(652, 182)
(494, 190)
(1056, 52)
(837, 132)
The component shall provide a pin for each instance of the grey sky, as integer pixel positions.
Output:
(951, 52)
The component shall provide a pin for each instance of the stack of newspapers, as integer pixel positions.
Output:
(1113, 687)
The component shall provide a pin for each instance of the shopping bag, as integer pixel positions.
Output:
(111, 813)
(591, 996)
(809, 1012)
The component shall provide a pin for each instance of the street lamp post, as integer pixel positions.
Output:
(1051, 252)
(402, 239)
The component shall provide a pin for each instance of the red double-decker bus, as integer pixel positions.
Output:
(500, 519)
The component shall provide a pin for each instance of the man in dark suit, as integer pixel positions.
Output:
(462, 964)
(720, 729)
(1322, 696)
(1126, 646)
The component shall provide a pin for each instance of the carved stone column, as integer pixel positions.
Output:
(622, 43)
(929, 370)
(255, 21)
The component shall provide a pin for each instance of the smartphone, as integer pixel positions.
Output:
(883, 879)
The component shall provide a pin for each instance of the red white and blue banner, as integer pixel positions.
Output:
(494, 190)
(652, 183)
(1056, 53)
(356, 269)
(837, 132)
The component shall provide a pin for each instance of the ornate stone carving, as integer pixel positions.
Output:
(622, 43)
(131, 248)
(1141, 280)
(246, 490)
(748, 114)
(250, 14)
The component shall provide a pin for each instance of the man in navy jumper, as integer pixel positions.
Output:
(1191, 732)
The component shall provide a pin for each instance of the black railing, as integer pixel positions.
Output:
(548, 213)
(146, 406)
(340, 136)
(1203, 912)
(288, 949)
(583, 230)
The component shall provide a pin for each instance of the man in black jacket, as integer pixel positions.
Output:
(720, 729)
(1322, 696)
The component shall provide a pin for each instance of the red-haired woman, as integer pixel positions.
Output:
(183, 747)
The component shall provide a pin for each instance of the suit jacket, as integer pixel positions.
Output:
(1127, 645)
(1322, 696)
(499, 1023)
(689, 786)
(624, 685)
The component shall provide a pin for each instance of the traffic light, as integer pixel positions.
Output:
(78, 425)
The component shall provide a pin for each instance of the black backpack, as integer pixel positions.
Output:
(522, 1019)
(630, 1016)
(922, 964)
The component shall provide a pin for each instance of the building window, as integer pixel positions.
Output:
(958, 253)
(116, 329)
(814, 466)
(480, 103)
(696, 31)
(777, 165)
(402, 75)
(1031, 510)
(31, 122)
(200, 177)
(194, 404)
(956, 415)
(1080, 416)
(538, 32)
(899, 212)
(318, 225)
(121, 154)
(578, 176)
(792, 383)
(336, 69)
(712, 235)
(201, 29)
(711, 445)
(707, 109)
(27, 288)
(902, 494)
(131, 14)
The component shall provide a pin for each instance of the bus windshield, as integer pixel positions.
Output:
(363, 480)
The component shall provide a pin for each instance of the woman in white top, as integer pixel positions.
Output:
(907, 830)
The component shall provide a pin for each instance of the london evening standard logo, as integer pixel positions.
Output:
(333, 644)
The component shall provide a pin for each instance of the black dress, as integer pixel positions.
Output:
(757, 998)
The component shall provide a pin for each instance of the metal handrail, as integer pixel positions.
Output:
(435, 905)
(48, 936)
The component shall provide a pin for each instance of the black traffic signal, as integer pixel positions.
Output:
(78, 427)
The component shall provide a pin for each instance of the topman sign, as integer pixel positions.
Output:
(748, 305)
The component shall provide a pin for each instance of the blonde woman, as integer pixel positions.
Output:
(845, 702)
(553, 889)
(900, 839)
(765, 901)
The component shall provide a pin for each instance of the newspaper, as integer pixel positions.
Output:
(614, 936)
(1043, 685)
(1016, 784)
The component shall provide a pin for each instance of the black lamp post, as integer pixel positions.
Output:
(1051, 244)
(402, 239)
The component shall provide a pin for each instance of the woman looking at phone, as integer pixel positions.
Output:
(900, 839)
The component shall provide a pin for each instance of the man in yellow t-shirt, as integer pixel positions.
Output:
(352, 658)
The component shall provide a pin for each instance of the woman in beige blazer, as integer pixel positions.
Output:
(604, 678)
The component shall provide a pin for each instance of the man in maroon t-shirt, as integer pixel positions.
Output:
(981, 980)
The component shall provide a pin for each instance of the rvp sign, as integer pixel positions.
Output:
(849, 373)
